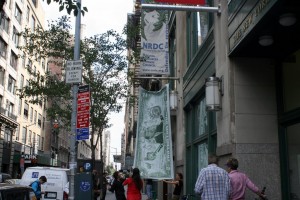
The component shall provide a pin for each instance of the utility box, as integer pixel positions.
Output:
(84, 186)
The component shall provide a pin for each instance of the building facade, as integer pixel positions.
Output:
(23, 124)
(253, 47)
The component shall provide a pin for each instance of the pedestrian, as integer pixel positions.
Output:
(239, 181)
(178, 185)
(117, 186)
(135, 184)
(96, 187)
(213, 182)
(36, 187)
(149, 185)
(103, 186)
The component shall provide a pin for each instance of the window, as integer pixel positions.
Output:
(20, 106)
(15, 37)
(29, 137)
(31, 114)
(18, 133)
(10, 108)
(35, 116)
(43, 63)
(201, 138)
(38, 141)
(11, 84)
(2, 73)
(21, 81)
(198, 26)
(40, 120)
(32, 23)
(24, 135)
(18, 14)
(4, 24)
(27, 13)
(13, 60)
(26, 107)
(3, 48)
(44, 123)
(42, 144)
(29, 65)
(34, 2)
(7, 138)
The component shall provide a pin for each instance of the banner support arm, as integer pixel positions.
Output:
(161, 78)
(182, 8)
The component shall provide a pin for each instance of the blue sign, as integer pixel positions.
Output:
(83, 133)
(85, 186)
(34, 175)
(87, 166)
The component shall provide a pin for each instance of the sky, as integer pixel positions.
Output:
(102, 15)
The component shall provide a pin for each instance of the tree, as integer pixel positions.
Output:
(104, 67)
(70, 6)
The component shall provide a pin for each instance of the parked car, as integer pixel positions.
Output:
(16, 192)
(13, 181)
(4, 176)
(57, 178)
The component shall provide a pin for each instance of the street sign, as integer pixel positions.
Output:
(74, 71)
(83, 113)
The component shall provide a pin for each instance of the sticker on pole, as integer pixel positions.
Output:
(74, 71)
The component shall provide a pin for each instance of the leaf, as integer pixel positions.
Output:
(85, 9)
(61, 8)
(48, 2)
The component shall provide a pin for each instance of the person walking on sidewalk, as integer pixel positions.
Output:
(117, 186)
(213, 182)
(135, 184)
(239, 181)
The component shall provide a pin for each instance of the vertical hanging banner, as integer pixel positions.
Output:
(155, 46)
(153, 152)
(83, 113)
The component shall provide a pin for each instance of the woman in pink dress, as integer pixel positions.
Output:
(135, 184)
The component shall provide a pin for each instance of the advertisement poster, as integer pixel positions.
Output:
(153, 152)
(154, 42)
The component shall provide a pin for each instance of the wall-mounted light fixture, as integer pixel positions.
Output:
(173, 100)
(287, 19)
(213, 93)
(265, 40)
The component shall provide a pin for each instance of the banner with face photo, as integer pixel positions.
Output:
(154, 42)
(153, 151)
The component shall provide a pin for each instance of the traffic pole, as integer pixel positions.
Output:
(73, 144)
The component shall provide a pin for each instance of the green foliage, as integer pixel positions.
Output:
(104, 69)
(70, 6)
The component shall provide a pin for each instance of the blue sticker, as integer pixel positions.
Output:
(35, 175)
(85, 186)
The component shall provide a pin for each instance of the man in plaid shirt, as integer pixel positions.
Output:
(213, 182)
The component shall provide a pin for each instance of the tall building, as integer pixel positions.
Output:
(252, 46)
(22, 123)
(106, 148)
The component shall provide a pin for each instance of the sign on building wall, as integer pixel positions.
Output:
(153, 152)
(154, 42)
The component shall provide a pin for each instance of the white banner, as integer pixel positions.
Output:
(155, 46)
(153, 152)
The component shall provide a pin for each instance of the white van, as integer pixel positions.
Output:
(57, 178)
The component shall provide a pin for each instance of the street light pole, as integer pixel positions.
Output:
(73, 153)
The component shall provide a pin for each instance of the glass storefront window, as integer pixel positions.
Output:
(291, 82)
(202, 155)
(293, 138)
(202, 118)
